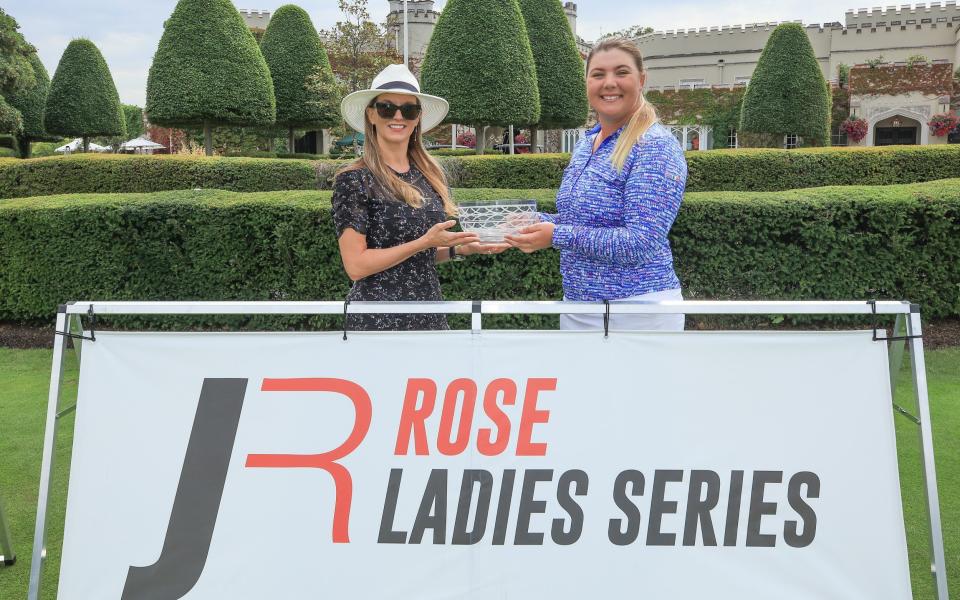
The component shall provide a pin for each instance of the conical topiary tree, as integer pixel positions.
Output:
(295, 54)
(83, 99)
(563, 93)
(208, 70)
(787, 93)
(493, 82)
(31, 102)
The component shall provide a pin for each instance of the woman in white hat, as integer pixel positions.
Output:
(392, 207)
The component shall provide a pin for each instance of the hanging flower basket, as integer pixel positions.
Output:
(855, 128)
(943, 124)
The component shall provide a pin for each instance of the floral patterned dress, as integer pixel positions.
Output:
(363, 204)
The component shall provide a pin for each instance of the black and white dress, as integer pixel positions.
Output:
(363, 204)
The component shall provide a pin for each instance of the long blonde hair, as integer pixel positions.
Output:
(418, 156)
(645, 114)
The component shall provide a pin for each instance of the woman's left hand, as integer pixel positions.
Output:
(481, 248)
(533, 237)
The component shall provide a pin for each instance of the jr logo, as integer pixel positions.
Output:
(204, 473)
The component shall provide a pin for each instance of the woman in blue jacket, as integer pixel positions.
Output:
(618, 199)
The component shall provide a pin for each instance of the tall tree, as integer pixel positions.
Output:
(490, 83)
(294, 53)
(31, 101)
(787, 93)
(634, 31)
(16, 71)
(563, 92)
(83, 100)
(358, 47)
(208, 70)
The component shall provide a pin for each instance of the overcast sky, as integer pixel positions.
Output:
(127, 31)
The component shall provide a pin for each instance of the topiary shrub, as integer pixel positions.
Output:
(560, 81)
(83, 100)
(208, 70)
(31, 102)
(490, 83)
(787, 93)
(294, 54)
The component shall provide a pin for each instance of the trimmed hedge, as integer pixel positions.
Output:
(897, 242)
(118, 173)
(717, 170)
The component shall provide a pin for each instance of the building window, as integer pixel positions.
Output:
(732, 141)
(690, 83)
(839, 138)
(743, 80)
(791, 141)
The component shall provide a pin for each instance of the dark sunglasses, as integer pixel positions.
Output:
(387, 110)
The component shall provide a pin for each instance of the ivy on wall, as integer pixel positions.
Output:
(929, 79)
(718, 108)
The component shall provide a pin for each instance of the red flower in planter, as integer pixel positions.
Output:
(855, 128)
(467, 139)
(943, 124)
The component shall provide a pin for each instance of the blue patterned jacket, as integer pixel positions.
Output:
(611, 228)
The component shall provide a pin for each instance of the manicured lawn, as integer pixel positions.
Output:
(24, 379)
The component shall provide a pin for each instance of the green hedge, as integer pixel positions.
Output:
(716, 170)
(119, 173)
(897, 242)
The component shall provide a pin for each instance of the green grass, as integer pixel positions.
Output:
(24, 380)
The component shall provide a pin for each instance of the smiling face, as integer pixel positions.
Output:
(614, 85)
(393, 129)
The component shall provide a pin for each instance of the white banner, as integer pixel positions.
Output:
(505, 465)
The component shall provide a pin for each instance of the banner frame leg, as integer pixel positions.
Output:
(918, 366)
(897, 348)
(49, 442)
(7, 556)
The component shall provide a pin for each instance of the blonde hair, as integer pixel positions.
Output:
(645, 114)
(418, 156)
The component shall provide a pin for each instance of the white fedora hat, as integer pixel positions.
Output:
(396, 79)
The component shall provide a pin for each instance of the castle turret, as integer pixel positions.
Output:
(421, 19)
(571, 11)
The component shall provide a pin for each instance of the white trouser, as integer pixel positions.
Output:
(657, 322)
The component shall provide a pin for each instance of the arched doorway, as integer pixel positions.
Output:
(896, 130)
(897, 127)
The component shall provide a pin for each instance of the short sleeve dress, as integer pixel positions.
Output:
(363, 204)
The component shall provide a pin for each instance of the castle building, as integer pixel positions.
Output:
(918, 46)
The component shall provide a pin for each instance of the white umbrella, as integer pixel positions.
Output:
(141, 144)
(71, 147)
(77, 144)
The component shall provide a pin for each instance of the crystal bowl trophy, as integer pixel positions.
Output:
(492, 220)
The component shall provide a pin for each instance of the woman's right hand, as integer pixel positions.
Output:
(439, 236)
